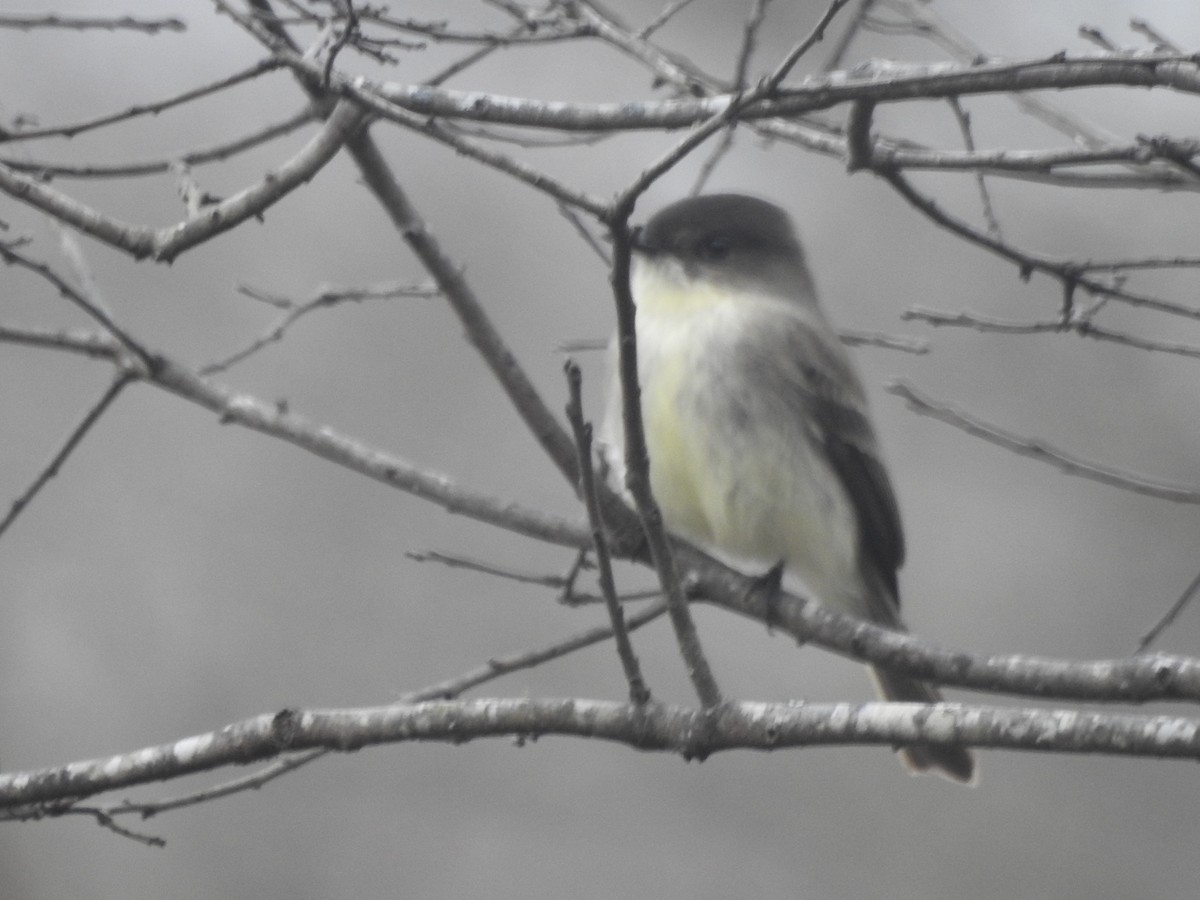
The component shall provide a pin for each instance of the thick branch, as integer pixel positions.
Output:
(881, 83)
(689, 732)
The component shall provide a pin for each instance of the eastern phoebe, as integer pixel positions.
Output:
(756, 423)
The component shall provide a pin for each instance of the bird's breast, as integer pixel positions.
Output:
(733, 462)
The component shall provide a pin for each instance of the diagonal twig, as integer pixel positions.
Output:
(1189, 593)
(639, 693)
(772, 81)
(221, 151)
(12, 256)
(637, 464)
(985, 197)
(1038, 449)
(73, 439)
(143, 109)
(741, 68)
(324, 299)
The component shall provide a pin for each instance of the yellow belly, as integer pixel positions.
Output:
(751, 484)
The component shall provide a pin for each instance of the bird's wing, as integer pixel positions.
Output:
(832, 401)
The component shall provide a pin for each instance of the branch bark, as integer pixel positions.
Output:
(691, 733)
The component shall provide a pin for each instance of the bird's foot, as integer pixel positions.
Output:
(768, 586)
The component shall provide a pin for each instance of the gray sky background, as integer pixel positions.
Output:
(179, 575)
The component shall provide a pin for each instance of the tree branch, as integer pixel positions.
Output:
(164, 244)
(688, 732)
(1040, 450)
(275, 420)
(143, 109)
(56, 462)
(43, 169)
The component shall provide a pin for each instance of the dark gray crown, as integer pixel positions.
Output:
(712, 227)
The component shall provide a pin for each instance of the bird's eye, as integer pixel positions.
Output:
(714, 248)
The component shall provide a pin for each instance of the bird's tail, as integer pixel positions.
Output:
(954, 763)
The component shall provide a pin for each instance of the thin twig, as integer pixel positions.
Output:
(475, 56)
(838, 51)
(978, 322)
(216, 153)
(83, 23)
(902, 342)
(325, 298)
(772, 81)
(670, 69)
(505, 665)
(440, 32)
(1170, 616)
(985, 197)
(105, 820)
(473, 565)
(56, 462)
(741, 69)
(723, 146)
(1068, 274)
(144, 109)
(1143, 27)
(1094, 35)
(10, 255)
(639, 693)
(251, 782)
(1075, 325)
(593, 242)
(750, 31)
(668, 13)
(637, 465)
(1040, 450)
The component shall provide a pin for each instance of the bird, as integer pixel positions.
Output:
(759, 437)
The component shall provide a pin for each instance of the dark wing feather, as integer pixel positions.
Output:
(866, 481)
(834, 405)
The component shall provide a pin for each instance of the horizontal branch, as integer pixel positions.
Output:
(879, 82)
(659, 727)
(84, 23)
(1049, 166)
